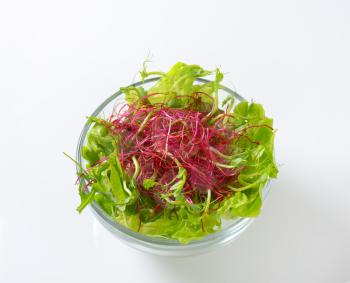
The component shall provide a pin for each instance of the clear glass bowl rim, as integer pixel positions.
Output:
(219, 237)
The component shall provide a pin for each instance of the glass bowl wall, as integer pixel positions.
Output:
(230, 229)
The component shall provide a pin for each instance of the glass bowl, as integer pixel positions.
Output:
(231, 229)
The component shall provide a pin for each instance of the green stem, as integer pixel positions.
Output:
(126, 188)
(137, 167)
(87, 200)
(228, 109)
(242, 188)
(223, 165)
(156, 73)
(213, 149)
(207, 203)
(143, 124)
(76, 162)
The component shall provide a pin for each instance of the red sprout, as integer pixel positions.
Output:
(161, 138)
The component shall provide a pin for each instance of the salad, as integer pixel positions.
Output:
(172, 162)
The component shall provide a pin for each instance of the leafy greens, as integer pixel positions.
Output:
(175, 203)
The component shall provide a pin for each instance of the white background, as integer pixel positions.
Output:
(60, 59)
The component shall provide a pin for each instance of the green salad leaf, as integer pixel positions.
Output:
(172, 214)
